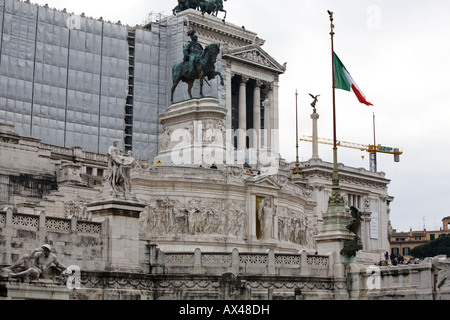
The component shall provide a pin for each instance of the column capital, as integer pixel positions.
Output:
(259, 84)
(268, 88)
(244, 79)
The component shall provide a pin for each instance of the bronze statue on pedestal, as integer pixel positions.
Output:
(198, 63)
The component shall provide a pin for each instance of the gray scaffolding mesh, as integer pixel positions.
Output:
(70, 80)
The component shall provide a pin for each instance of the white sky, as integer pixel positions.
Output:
(397, 52)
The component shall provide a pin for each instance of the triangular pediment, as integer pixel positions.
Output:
(266, 181)
(254, 55)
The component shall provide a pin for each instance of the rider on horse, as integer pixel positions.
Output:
(192, 50)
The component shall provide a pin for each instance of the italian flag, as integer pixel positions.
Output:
(343, 80)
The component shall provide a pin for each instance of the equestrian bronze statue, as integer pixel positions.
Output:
(205, 6)
(198, 64)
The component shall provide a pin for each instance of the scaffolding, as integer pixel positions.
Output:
(153, 17)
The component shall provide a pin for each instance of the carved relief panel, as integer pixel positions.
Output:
(168, 216)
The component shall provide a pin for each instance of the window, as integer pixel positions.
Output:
(395, 251)
(432, 236)
(406, 251)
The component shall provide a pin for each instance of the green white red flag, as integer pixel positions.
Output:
(343, 80)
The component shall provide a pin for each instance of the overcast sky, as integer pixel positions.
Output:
(397, 52)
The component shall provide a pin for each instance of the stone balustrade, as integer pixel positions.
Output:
(242, 263)
(75, 242)
(41, 221)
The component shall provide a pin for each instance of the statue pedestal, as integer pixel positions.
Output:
(331, 240)
(35, 290)
(193, 134)
(122, 218)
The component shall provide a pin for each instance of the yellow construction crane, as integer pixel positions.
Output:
(372, 149)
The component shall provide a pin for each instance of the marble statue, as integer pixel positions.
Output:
(266, 214)
(34, 266)
(119, 166)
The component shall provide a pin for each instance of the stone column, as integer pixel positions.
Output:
(315, 144)
(242, 131)
(266, 104)
(257, 120)
(275, 121)
(228, 123)
(271, 118)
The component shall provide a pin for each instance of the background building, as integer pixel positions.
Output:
(403, 242)
(71, 85)
(75, 81)
(71, 80)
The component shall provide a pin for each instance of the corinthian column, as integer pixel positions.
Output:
(229, 140)
(242, 114)
(257, 119)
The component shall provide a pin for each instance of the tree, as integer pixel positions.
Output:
(433, 248)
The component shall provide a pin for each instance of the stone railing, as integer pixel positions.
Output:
(75, 242)
(269, 263)
(76, 152)
(41, 221)
(407, 282)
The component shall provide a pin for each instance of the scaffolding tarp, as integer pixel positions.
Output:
(65, 79)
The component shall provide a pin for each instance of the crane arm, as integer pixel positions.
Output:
(368, 148)
(345, 144)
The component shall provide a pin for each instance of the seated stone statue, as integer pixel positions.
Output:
(34, 266)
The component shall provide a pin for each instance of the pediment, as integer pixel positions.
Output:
(267, 182)
(254, 55)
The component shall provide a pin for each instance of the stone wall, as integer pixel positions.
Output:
(218, 210)
(75, 242)
(196, 275)
(401, 282)
(107, 286)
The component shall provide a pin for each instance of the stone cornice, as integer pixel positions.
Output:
(237, 42)
(212, 27)
(254, 55)
(347, 175)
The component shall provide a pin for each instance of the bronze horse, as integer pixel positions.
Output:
(206, 6)
(204, 68)
(213, 7)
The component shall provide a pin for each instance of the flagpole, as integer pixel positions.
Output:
(336, 197)
(297, 163)
(374, 146)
